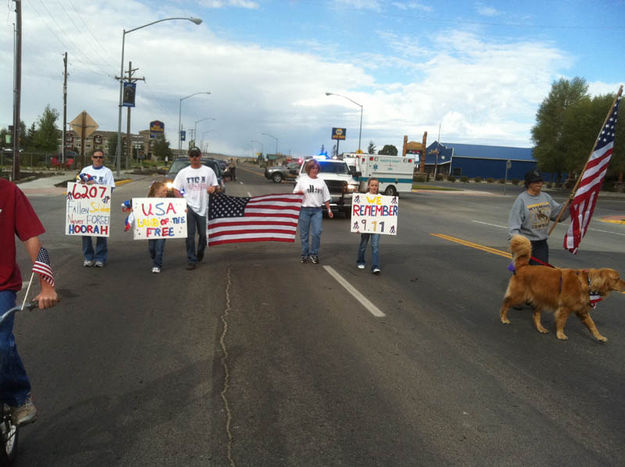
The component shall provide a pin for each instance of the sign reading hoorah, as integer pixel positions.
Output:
(159, 218)
(375, 214)
(88, 210)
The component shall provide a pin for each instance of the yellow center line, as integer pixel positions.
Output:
(477, 246)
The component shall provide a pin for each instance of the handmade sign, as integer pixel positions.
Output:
(159, 218)
(88, 210)
(374, 214)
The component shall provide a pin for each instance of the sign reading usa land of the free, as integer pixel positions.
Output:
(374, 214)
(159, 218)
(88, 210)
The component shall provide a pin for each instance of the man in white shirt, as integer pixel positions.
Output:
(99, 175)
(194, 183)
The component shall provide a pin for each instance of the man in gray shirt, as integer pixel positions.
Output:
(530, 216)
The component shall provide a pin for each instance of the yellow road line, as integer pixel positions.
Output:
(477, 246)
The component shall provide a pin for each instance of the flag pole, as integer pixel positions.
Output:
(581, 174)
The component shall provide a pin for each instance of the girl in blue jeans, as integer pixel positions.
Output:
(373, 186)
(157, 246)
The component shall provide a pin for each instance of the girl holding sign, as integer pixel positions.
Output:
(373, 186)
(157, 246)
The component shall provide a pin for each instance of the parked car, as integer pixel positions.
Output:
(282, 172)
(182, 162)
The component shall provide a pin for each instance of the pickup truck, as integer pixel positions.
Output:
(282, 172)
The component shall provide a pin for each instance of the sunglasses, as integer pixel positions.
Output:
(195, 155)
(98, 157)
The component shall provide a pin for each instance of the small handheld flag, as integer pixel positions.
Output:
(42, 266)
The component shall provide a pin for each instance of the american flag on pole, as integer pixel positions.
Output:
(585, 199)
(268, 218)
(42, 266)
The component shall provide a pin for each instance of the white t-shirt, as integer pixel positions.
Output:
(102, 175)
(315, 190)
(193, 183)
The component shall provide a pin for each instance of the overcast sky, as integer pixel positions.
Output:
(476, 70)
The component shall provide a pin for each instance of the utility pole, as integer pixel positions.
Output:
(129, 79)
(17, 84)
(64, 109)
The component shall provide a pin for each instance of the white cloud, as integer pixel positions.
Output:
(412, 6)
(486, 10)
(229, 3)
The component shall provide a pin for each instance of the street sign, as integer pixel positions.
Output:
(84, 125)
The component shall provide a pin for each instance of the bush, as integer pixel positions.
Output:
(451, 178)
(501, 180)
(490, 180)
(477, 179)
(464, 179)
(515, 181)
(419, 178)
(439, 177)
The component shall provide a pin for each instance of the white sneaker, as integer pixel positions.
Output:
(376, 270)
(156, 270)
(99, 264)
(87, 263)
(361, 266)
(25, 413)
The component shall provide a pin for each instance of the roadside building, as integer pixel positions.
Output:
(474, 160)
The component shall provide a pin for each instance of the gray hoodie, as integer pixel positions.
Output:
(530, 215)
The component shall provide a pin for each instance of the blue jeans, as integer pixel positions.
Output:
(195, 222)
(157, 248)
(14, 383)
(101, 250)
(310, 217)
(540, 250)
(375, 249)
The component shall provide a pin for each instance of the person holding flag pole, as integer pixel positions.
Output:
(17, 217)
(584, 195)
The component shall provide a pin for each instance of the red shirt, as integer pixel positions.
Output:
(17, 217)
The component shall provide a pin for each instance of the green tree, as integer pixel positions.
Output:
(550, 141)
(371, 148)
(160, 148)
(388, 150)
(46, 137)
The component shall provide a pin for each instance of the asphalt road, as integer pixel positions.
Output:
(255, 359)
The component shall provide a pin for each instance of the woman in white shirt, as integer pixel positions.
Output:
(316, 195)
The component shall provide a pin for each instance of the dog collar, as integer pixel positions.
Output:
(594, 297)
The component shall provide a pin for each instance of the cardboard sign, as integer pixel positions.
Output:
(88, 210)
(159, 218)
(374, 214)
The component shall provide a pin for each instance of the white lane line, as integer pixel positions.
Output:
(594, 230)
(492, 225)
(606, 231)
(374, 310)
(249, 194)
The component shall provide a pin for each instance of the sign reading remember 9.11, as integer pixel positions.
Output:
(374, 214)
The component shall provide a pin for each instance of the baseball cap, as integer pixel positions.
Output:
(194, 151)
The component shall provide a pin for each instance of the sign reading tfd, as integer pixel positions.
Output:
(374, 214)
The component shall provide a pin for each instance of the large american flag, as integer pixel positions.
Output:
(42, 266)
(268, 218)
(585, 198)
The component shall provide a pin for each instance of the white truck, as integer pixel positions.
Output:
(393, 172)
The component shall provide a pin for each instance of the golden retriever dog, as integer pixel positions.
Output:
(563, 291)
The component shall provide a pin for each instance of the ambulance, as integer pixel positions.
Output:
(394, 172)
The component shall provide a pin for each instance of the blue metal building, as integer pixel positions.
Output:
(474, 160)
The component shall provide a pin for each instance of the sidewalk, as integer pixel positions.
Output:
(46, 186)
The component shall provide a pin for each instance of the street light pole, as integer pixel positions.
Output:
(359, 105)
(180, 116)
(118, 149)
(272, 136)
(195, 126)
